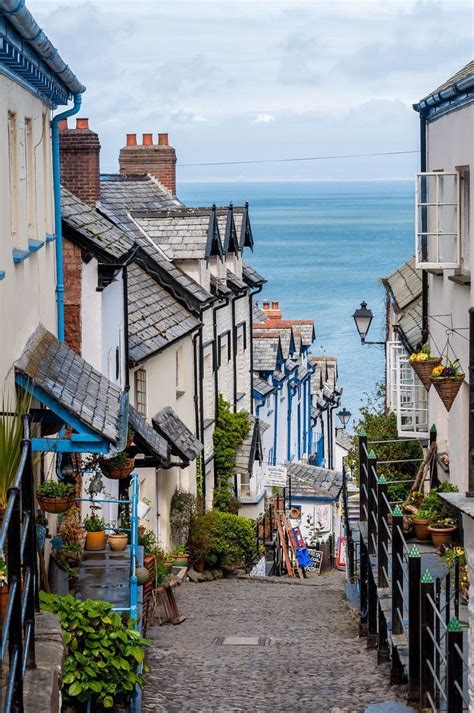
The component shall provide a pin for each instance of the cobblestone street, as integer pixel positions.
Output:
(309, 656)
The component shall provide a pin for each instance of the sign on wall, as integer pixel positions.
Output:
(275, 476)
(316, 560)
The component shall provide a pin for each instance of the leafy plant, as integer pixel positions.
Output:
(118, 460)
(11, 434)
(182, 509)
(94, 523)
(55, 489)
(102, 652)
(231, 429)
(380, 424)
(180, 551)
(221, 539)
(3, 572)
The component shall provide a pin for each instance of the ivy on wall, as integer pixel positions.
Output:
(230, 431)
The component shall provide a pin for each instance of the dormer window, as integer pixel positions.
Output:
(437, 221)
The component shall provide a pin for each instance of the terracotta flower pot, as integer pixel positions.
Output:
(442, 534)
(117, 472)
(3, 601)
(95, 541)
(180, 561)
(118, 541)
(447, 388)
(421, 528)
(423, 370)
(55, 505)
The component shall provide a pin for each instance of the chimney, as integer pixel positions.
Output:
(80, 160)
(273, 312)
(158, 159)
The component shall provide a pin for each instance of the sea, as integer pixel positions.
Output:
(323, 247)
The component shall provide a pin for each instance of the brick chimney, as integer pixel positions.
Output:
(158, 159)
(272, 312)
(80, 160)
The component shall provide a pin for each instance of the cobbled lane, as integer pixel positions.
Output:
(314, 661)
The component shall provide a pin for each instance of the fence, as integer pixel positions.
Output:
(411, 617)
(18, 540)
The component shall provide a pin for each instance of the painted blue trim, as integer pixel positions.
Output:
(50, 237)
(2, 274)
(288, 434)
(314, 499)
(298, 418)
(64, 445)
(275, 434)
(35, 245)
(20, 256)
(57, 211)
(134, 552)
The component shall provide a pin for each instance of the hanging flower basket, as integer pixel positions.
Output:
(55, 497)
(423, 364)
(118, 467)
(447, 381)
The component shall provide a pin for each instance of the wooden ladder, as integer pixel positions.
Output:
(293, 542)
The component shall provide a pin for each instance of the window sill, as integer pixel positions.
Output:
(240, 395)
(432, 271)
(50, 238)
(464, 279)
(20, 256)
(208, 422)
(179, 394)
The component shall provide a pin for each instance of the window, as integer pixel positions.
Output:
(437, 220)
(241, 330)
(140, 391)
(179, 372)
(30, 179)
(408, 394)
(224, 350)
(464, 210)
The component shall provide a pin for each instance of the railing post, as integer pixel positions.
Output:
(363, 471)
(414, 575)
(372, 502)
(434, 466)
(382, 532)
(372, 609)
(454, 667)
(364, 565)
(15, 630)
(397, 571)
(426, 642)
(29, 555)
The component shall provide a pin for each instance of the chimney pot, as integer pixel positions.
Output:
(82, 123)
(147, 140)
(131, 139)
(162, 139)
(266, 304)
(274, 304)
(62, 125)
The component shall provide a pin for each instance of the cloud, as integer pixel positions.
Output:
(264, 119)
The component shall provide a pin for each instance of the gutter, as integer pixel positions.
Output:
(57, 209)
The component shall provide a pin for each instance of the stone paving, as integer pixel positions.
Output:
(309, 656)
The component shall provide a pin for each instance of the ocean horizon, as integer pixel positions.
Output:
(323, 247)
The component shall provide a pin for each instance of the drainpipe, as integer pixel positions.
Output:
(57, 211)
(216, 355)
(424, 274)
(299, 429)
(201, 413)
(234, 353)
(323, 454)
(305, 417)
(250, 338)
(290, 403)
(196, 336)
(275, 432)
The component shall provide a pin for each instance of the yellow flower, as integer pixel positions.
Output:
(422, 356)
(437, 371)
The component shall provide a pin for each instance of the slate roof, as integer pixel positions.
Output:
(303, 372)
(463, 73)
(219, 287)
(182, 441)
(243, 227)
(403, 285)
(313, 481)
(251, 276)
(262, 386)
(250, 449)
(156, 318)
(343, 439)
(325, 372)
(146, 436)
(235, 283)
(410, 322)
(74, 384)
(286, 335)
(93, 227)
(182, 234)
(121, 194)
(258, 315)
(265, 353)
(229, 238)
(303, 330)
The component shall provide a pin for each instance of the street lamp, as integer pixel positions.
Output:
(363, 318)
(344, 417)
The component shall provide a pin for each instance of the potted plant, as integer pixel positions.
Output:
(423, 362)
(118, 467)
(3, 589)
(447, 380)
(443, 531)
(426, 514)
(168, 561)
(180, 558)
(117, 540)
(56, 497)
(95, 528)
(457, 555)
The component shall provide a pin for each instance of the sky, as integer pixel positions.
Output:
(237, 80)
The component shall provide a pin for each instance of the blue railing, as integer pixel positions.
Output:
(18, 542)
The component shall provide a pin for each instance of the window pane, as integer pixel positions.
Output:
(448, 219)
(427, 189)
(448, 248)
(447, 188)
(427, 248)
(427, 219)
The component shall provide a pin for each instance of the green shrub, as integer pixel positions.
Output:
(56, 489)
(222, 539)
(231, 429)
(102, 652)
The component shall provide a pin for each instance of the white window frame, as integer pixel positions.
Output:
(436, 234)
(141, 391)
(411, 405)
